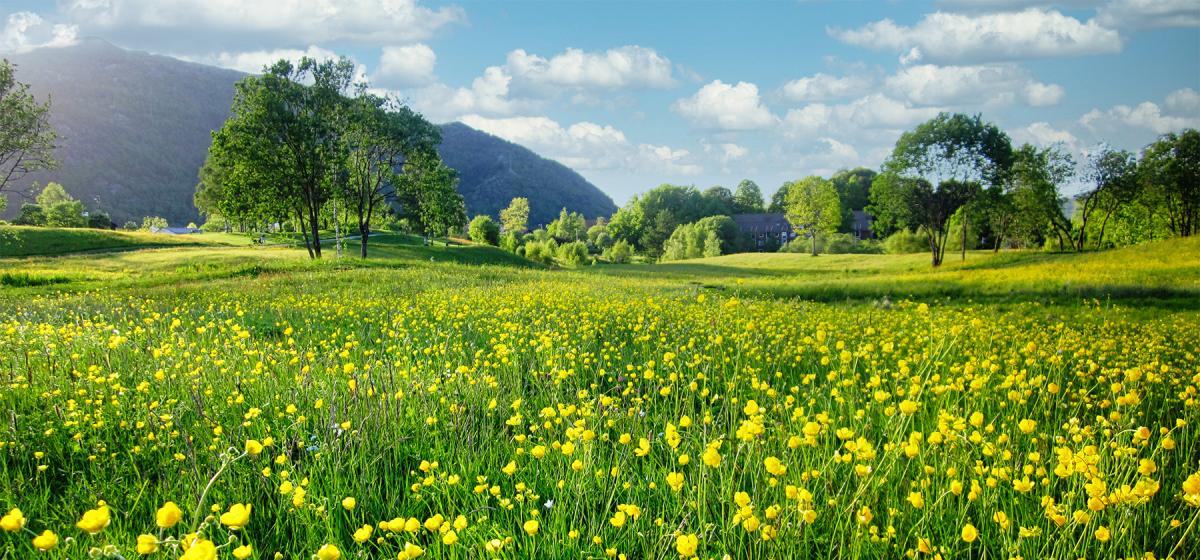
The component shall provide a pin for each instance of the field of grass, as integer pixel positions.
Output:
(456, 402)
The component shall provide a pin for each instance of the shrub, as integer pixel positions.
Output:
(619, 252)
(510, 241)
(574, 253)
(130, 225)
(31, 215)
(99, 220)
(706, 237)
(214, 223)
(905, 241)
(152, 222)
(484, 230)
(541, 251)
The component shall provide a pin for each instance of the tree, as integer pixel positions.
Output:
(569, 226)
(813, 207)
(1170, 173)
(718, 200)
(379, 134)
(484, 230)
(282, 151)
(153, 222)
(1035, 192)
(515, 218)
(959, 153)
(854, 190)
(747, 198)
(27, 140)
(31, 215)
(706, 237)
(779, 200)
(427, 196)
(1113, 183)
(60, 208)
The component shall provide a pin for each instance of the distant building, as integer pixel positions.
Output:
(861, 225)
(175, 230)
(764, 232)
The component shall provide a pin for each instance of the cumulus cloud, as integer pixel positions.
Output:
(305, 20)
(823, 87)
(1043, 134)
(871, 112)
(726, 106)
(406, 65)
(990, 37)
(1147, 115)
(252, 62)
(586, 146)
(25, 31)
(1148, 14)
(627, 67)
(993, 84)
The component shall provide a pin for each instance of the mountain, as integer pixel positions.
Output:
(135, 127)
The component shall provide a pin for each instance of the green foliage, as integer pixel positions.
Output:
(59, 208)
(853, 189)
(905, 241)
(31, 215)
(1112, 183)
(541, 251)
(99, 220)
(427, 195)
(747, 198)
(620, 252)
(648, 220)
(515, 217)
(1170, 175)
(153, 222)
(510, 241)
(574, 253)
(834, 244)
(813, 208)
(954, 227)
(569, 226)
(718, 200)
(484, 230)
(779, 200)
(1035, 194)
(707, 237)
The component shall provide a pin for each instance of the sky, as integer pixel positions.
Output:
(635, 94)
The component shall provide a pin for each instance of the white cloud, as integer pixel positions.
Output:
(992, 84)
(1146, 115)
(727, 106)
(586, 146)
(407, 65)
(872, 112)
(252, 62)
(1186, 101)
(25, 31)
(952, 37)
(627, 67)
(1147, 14)
(304, 20)
(823, 87)
(1043, 134)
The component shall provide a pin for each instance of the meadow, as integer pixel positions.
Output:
(229, 401)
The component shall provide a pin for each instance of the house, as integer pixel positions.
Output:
(861, 225)
(174, 230)
(764, 232)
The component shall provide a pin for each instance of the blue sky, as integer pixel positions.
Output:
(634, 94)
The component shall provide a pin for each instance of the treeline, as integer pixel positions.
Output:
(306, 146)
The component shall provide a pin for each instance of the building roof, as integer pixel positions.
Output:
(175, 230)
(761, 221)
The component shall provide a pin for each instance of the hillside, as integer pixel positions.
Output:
(135, 128)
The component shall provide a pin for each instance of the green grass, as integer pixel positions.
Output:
(20, 241)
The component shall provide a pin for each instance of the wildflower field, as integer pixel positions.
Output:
(432, 409)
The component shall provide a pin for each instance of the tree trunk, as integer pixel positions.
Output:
(314, 220)
(364, 231)
(964, 237)
(337, 231)
(814, 244)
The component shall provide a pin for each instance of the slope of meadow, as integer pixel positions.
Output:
(466, 407)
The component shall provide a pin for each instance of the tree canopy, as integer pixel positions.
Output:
(27, 140)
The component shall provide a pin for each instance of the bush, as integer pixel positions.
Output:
(31, 215)
(152, 222)
(541, 251)
(904, 241)
(574, 253)
(215, 223)
(484, 230)
(620, 252)
(510, 242)
(99, 220)
(706, 237)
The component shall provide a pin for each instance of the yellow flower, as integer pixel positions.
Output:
(449, 538)
(349, 503)
(254, 447)
(1191, 490)
(433, 523)
(95, 520)
(1027, 426)
(410, 551)
(363, 533)
(13, 521)
(168, 515)
(567, 448)
(45, 541)
(237, 517)
(908, 406)
(675, 480)
(686, 545)
(916, 499)
(1102, 534)
(202, 549)
(969, 533)
(711, 457)
(328, 552)
(1024, 485)
(243, 552)
(643, 447)
(460, 523)
(618, 520)
(531, 527)
(510, 469)
(147, 544)
(774, 466)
